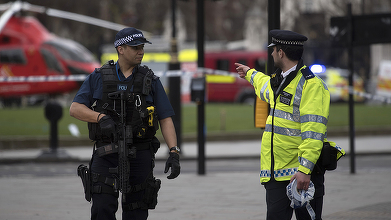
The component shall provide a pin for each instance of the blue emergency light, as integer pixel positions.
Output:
(317, 68)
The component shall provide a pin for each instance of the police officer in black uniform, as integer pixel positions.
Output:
(146, 104)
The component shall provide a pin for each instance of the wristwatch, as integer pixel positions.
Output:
(176, 149)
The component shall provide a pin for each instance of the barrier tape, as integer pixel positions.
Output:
(381, 98)
(42, 78)
(13, 79)
(83, 77)
(302, 197)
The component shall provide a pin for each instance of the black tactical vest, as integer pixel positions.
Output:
(139, 114)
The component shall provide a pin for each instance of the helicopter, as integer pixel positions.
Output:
(28, 49)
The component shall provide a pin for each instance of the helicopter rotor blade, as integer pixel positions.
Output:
(73, 16)
(5, 6)
(18, 6)
(11, 9)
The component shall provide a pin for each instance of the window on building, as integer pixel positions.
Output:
(222, 64)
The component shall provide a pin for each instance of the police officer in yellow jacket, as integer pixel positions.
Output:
(295, 128)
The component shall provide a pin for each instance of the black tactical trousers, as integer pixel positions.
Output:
(104, 206)
(278, 203)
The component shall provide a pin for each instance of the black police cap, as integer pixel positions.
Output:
(130, 36)
(285, 37)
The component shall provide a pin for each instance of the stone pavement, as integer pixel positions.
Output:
(214, 196)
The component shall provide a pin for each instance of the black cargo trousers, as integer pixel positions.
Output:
(104, 206)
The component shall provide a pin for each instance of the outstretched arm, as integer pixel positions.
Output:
(241, 69)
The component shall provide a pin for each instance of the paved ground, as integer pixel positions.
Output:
(217, 195)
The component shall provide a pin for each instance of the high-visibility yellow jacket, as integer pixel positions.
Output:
(297, 123)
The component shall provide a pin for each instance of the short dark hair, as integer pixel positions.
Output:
(293, 52)
(122, 45)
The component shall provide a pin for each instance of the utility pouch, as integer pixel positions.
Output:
(148, 125)
(328, 157)
(151, 190)
(93, 131)
(85, 174)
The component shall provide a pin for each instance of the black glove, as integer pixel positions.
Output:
(173, 162)
(107, 126)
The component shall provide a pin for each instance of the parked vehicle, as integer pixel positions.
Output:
(337, 80)
(231, 88)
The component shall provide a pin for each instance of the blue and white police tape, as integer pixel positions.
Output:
(79, 78)
(53, 78)
(302, 197)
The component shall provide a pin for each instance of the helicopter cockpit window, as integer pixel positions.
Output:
(70, 50)
(51, 61)
(15, 56)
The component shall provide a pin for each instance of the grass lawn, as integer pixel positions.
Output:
(218, 118)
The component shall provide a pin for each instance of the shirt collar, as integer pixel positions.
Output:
(120, 75)
(285, 74)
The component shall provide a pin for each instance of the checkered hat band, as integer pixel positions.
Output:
(287, 42)
(127, 39)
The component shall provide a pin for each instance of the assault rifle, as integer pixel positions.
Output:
(126, 150)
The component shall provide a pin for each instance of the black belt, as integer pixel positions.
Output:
(109, 148)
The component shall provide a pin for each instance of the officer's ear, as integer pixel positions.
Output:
(281, 53)
(121, 48)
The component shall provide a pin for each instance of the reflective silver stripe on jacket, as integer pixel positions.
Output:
(313, 118)
(283, 131)
(295, 132)
(297, 99)
(279, 173)
(252, 77)
(284, 115)
(312, 135)
(306, 163)
(264, 87)
(302, 119)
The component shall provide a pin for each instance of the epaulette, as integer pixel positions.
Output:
(307, 73)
